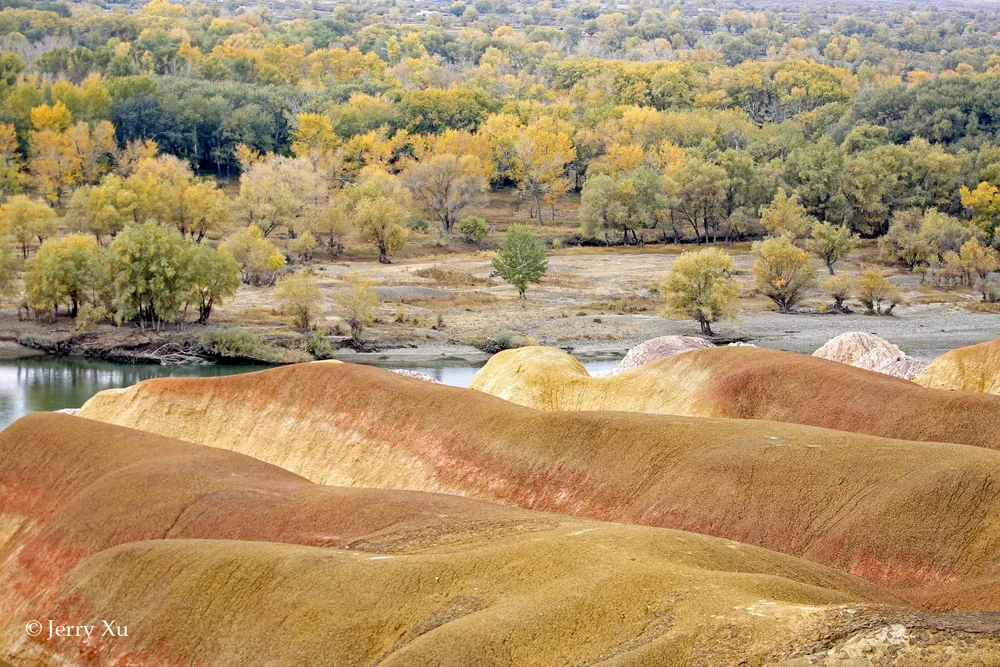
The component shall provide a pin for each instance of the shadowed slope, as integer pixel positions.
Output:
(747, 383)
(100, 519)
(975, 368)
(899, 513)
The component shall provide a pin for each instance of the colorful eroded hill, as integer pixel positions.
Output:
(748, 383)
(915, 516)
(975, 368)
(208, 557)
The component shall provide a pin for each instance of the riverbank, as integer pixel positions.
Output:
(923, 331)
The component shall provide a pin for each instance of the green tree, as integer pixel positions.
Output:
(617, 206)
(214, 275)
(473, 229)
(378, 206)
(521, 260)
(63, 272)
(300, 295)
(832, 242)
(781, 271)
(700, 285)
(148, 274)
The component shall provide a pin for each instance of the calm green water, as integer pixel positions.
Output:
(53, 383)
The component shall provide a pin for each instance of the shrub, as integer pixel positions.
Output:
(318, 346)
(241, 344)
(840, 288)
(300, 295)
(988, 289)
(260, 260)
(90, 315)
(419, 225)
(504, 340)
(303, 246)
(357, 304)
(877, 294)
(473, 229)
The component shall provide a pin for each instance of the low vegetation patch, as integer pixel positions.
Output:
(241, 344)
(443, 275)
(504, 340)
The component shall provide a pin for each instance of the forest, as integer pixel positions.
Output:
(154, 157)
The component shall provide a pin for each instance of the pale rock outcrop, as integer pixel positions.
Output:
(868, 351)
(659, 348)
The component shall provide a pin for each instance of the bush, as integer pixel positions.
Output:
(260, 260)
(300, 295)
(501, 341)
(318, 346)
(419, 225)
(840, 288)
(989, 290)
(473, 229)
(303, 246)
(244, 345)
(357, 304)
(90, 315)
(877, 294)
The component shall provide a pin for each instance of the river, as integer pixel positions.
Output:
(52, 383)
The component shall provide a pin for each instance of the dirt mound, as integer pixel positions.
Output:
(975, 368)
(212, 558)
(905, 514)
(868, 351)
(659, 348)
(747, 383)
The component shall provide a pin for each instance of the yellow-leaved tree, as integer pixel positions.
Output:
(700, 286)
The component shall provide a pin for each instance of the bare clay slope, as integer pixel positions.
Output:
(748, 383)
(903, 514)
(213, 558)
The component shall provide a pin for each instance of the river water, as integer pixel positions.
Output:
(52, 383)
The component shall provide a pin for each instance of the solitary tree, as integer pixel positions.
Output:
(700, 286)
(300, 295)
(832, 242)
(357, 304)
(782, 271)
(521, 260)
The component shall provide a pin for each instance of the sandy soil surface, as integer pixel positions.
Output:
(595, 302)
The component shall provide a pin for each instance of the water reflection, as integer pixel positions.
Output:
(53, 383)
